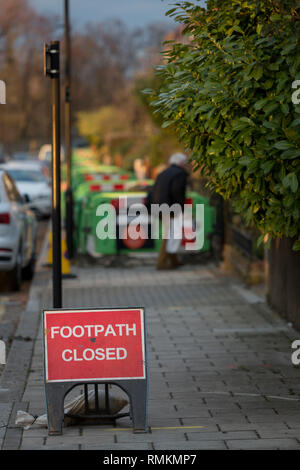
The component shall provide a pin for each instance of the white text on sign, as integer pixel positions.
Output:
(93, 331)
(100, 354)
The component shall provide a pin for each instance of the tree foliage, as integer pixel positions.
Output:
(227, 93)
(96, 126)
(22, 33)
(105, 58)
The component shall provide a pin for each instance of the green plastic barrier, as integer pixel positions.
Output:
(110, 246)
(209, 217)
(83, 195)
(88, 222)
(97, 186)
(80, 176)
(83, 198)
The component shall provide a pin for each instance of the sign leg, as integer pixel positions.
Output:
(137, 391)
(55, 395)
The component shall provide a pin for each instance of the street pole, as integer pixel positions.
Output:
(68, 149)
(52, 70)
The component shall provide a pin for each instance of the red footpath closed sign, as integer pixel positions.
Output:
(91, 345)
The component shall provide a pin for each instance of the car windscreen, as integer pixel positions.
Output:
(30, 176)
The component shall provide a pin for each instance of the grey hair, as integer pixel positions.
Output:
(178, 159)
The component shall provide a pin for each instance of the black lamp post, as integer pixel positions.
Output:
(52, 70)
(68, 147)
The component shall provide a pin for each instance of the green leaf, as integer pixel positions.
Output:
(257, 72)
(290, 181)
(259, 28)
(269, 125)
(239, 126)
(238, 29)
(290, 154)
(296, 245)
(296, 122)
(283, 145)
(166, 124)
(247, 120)
(274, 18)
(245, 160)
(261, 103)
(267, 166)
(285, 108)
(148, 91)
(270, 108)
(288, 49)
(169, 12)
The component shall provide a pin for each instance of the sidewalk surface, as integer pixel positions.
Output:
(220, 371)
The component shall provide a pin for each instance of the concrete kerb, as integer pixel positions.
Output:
(15, 374)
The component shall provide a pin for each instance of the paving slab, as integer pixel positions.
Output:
(264, 444)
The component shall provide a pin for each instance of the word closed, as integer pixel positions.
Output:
(92, 345)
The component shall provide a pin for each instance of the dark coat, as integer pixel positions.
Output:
(170, 186)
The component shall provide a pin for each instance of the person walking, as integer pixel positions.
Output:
(170, 188)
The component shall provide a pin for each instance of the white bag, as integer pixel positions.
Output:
(175, 235)
(75, 406)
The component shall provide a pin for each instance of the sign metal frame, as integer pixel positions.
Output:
(135, 388)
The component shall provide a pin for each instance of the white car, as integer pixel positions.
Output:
(32, 184)
(17, 234)
(39, 165)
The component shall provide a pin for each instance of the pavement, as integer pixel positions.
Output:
(220, 370)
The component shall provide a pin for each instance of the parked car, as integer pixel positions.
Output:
(17, 234)
(42, 166)
(32, 184)
(22, 156)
